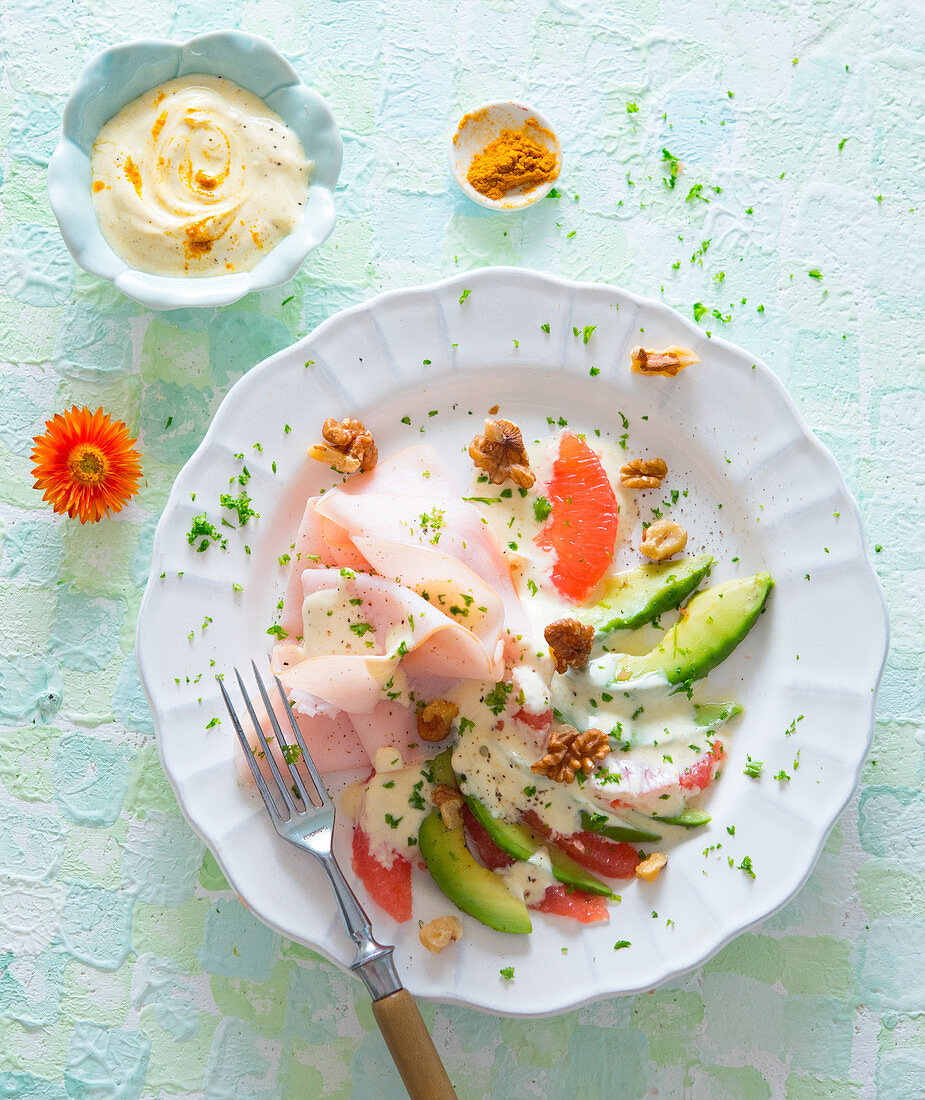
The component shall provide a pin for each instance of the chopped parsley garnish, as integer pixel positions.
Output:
(392, 822)
(432, 523)
(507, 972)
(291, 753)
(213, 722)
(545, 328)
(587, 332)
(496, 699)
(620, 944)
(753, 768)
(360, 629)
(240, 504)
(815, 273)
(465, 294)
(465, 724)
(202, 529)
(541, 509)
(416, 799)
(631, 108)
(674, 169)
(277, 631)
(746, 866)
(782, 776)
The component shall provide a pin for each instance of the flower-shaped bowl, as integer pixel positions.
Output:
(119, 75)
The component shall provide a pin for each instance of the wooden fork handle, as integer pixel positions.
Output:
(412, 1048)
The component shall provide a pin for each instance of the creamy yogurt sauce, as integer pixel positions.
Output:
(197, 177)
(391, 805)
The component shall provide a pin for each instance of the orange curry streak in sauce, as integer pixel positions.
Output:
(132, 174)
(158, 126)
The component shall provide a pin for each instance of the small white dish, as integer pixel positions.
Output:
(119, 75)
(479, 127)
(764, 494)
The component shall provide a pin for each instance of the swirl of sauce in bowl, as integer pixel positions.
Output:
(197, 177)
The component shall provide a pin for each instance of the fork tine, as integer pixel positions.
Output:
(283, 788)
(306, 755)
(284, 744)
(249, 754)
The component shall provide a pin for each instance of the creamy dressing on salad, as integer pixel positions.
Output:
(197, 177)
(653, 727)
(529, 878)
(395, 802)
(333, 622)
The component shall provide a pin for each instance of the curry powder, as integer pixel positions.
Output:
(513, 159)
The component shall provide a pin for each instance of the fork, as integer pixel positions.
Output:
(311, 828)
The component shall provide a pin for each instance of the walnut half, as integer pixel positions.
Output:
(348, 446)
(651, 866)
(569, 751)
(449, 802)
(666, 362)
(436, 719)
(662, 540)
(569, 643)
(500, 452)
(643, 473)
(439, 932)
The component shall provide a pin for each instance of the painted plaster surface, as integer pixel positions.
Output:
(127, 968)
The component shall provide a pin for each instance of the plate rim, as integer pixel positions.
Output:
(464, 279)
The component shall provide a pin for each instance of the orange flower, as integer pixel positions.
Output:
(86, 464)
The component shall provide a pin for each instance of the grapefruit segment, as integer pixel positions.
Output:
(389, 887)
(582, 527)
(613, 858)
(567, 902)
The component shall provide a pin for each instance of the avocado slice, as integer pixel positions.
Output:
(520, 841)
(442, 768)
(637, 596)
(710, 627)
(473, 888)
(715, 714)
(688, 818)
(614, 829)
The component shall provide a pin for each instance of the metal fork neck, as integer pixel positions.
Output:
(375, 966)
(373, 960)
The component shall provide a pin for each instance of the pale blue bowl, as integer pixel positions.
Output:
(122, 73)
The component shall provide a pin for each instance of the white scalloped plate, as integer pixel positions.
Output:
(762, 489)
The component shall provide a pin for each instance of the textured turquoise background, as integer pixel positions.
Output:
(127, 968)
